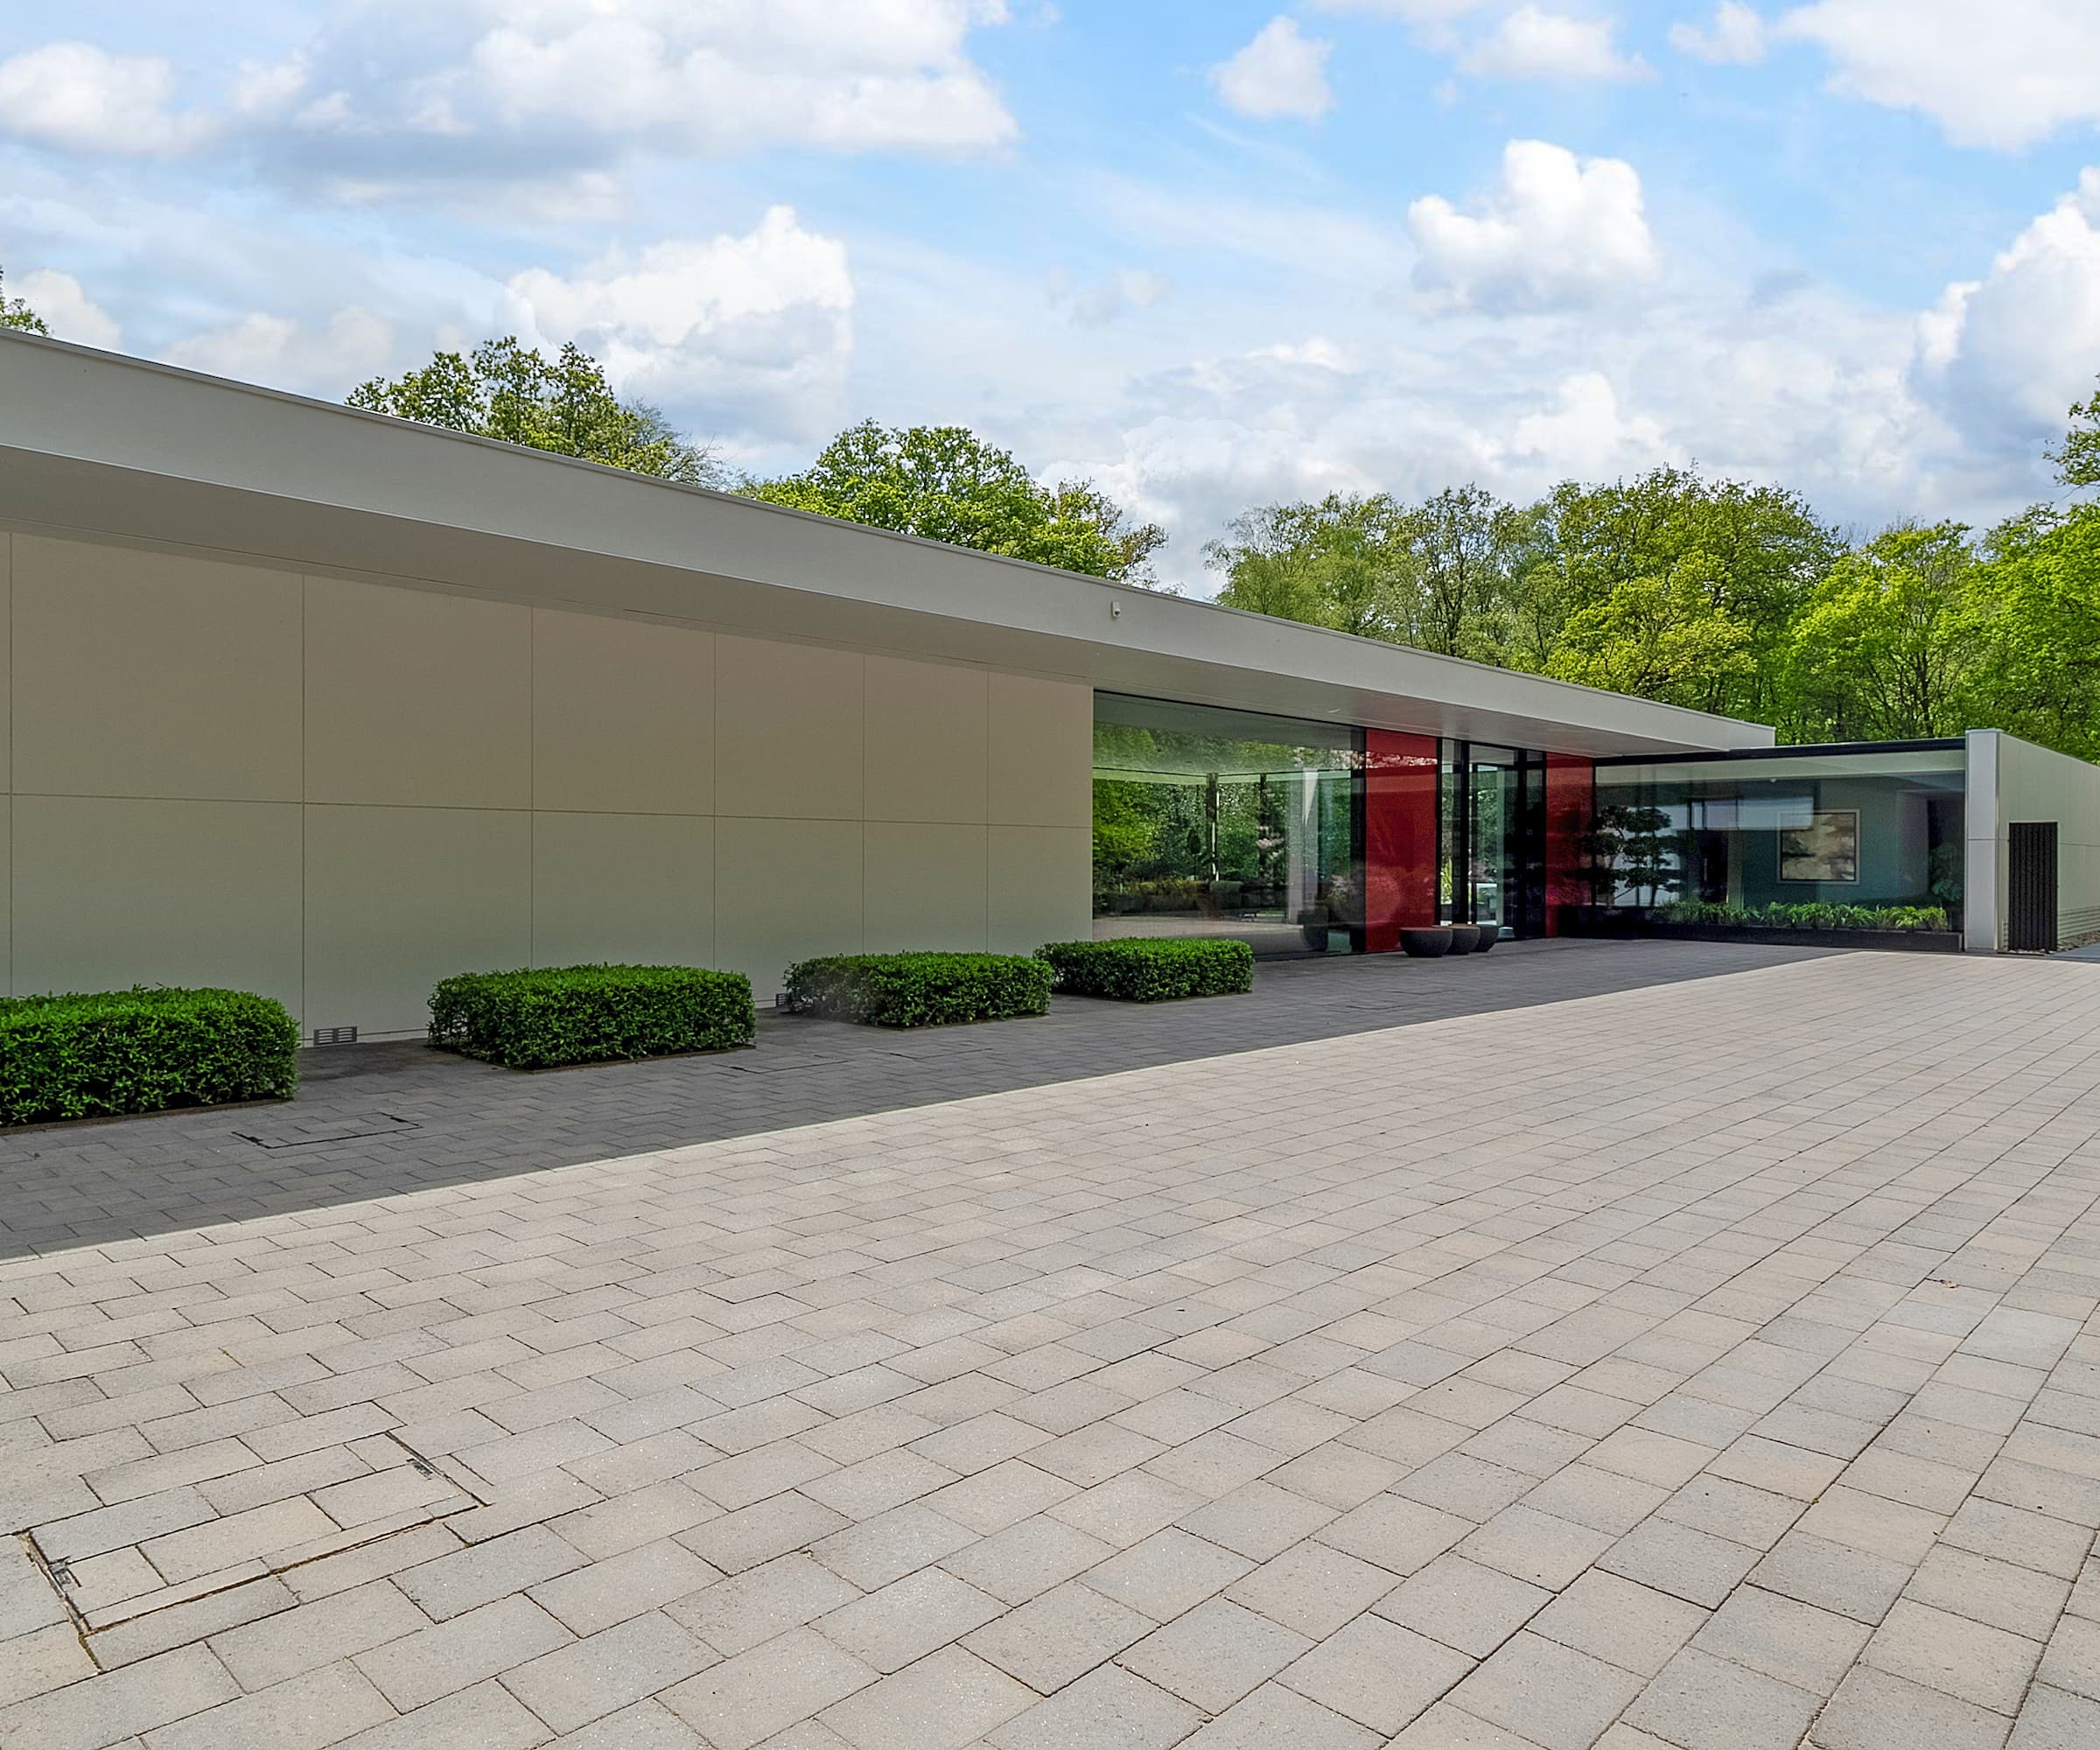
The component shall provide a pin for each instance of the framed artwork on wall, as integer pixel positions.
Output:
(1827, 849)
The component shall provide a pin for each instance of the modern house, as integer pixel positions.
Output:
(319, 703)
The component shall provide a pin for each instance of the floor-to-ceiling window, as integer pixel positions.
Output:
(1492, 810)
(1223, 822)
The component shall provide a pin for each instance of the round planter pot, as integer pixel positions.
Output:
(1425, 941)
(1465, 938)
(1490, 934)
(1316, 937)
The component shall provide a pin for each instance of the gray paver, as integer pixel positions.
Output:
(1125, 1377)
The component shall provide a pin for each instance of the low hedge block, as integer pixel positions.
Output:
(1152, 968)
(93, 1054)
(556, 1015)
(920, 989)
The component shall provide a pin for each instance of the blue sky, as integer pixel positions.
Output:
(1211, 255)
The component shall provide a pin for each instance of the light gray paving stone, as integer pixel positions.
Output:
(1547, 1692)
(1704, 1702)
(1876, 1710)
(1171, 1572)
(316, 1708)
(736, 1614)
(1214, 1654)
(589, 1678)
(449, 1655)
(1311, 1588)
(596, 1597)
(2053, 1719)
(646, 1725)
(1619, 1621)
(1376, 1673)
(908, 1619)
(119, 1704)
(487, 1717)
(772, 1686)
(1057, 1638)
(1111, 1708)
(302, 1639)
(1272, 1716)
(1464, 1605)
(1969, 1660)
(1782, 1638)
(944, 1701)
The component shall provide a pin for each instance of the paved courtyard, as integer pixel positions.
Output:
(1632, 1345)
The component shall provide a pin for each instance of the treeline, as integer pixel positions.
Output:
(1719, 595)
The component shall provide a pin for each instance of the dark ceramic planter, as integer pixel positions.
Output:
(1490, 934)
(1465, 938)
(1425, 941)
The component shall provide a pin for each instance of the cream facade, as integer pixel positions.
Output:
(336, 791)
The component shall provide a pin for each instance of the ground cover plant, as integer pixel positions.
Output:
(1150, 969)
(920, 989)
(1804, 917)
(555, 1015)
(89, 1054)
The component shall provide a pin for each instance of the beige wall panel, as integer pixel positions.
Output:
(142, 674)
(1042, 753)
(112, 892)
(787, 723)
(926, 736)
(637, 888)
(397, 898)
(7, 615)
(785, 891)
(623, 716)
(1040, 886)
(925, 886)
(417, 698)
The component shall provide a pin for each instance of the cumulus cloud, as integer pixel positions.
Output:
(2002, 73)
(1279, 73)
(756, 320)
(66, 310)
(1587, 434)
(1736, 37)
(1557, 231)
(1531, 43)
(2005, 356)
(285, 353)
(83, 99)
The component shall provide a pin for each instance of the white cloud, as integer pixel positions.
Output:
(1531, 43)
(760, 320)
(727, 77)
(284, 352)
(1279, 74)
(1585, 435)
(1558, 231)
(66, 310)
(2003, 73)
(2004, 356)
(1104, 300)
(1736, 37)
(83, 99)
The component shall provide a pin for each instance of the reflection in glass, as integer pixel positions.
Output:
(1221, 822)
(1852, 829)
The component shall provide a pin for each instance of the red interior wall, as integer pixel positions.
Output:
(1399, 835)
(1571, 803)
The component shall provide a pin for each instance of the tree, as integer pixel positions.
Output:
(1464, 541)
(16, 314)
(1344, 563)
(1755, 551)
(946, 483)
(1884, 646)
(509, 391)
(2078, 460)
(1670, 637)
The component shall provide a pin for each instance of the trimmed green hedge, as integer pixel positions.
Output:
(1805, 917)
(1152, 968)
(90, 1054)
(590, 1014)
(920, 989)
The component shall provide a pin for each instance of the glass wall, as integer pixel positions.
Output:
(1868, 828)
(1222, 823)
(1493, 810)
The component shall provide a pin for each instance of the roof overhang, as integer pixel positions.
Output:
(94, 443)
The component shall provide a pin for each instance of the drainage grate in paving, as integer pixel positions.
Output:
(349, 1128)
(246, 1520)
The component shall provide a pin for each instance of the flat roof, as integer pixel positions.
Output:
(98, 445)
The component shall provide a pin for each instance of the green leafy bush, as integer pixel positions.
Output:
(590, 1014)
(1804, 917)
(82, 1056)
(1152, 968)
(920, 989)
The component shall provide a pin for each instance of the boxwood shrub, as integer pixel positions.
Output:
(1152, 968)
(920, 989)
(590, 1014)
(83, 1056)
(1805, 917)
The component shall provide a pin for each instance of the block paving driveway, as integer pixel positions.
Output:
(1633, 1345)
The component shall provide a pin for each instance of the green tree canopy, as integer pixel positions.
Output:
(1884, 646)
(946, 483)
(2078, 458)
(509, 391)
(1345, 562)
(16, 314)
(1670, 637)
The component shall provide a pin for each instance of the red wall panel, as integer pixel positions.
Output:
(1571, 804)
(1399, 835)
